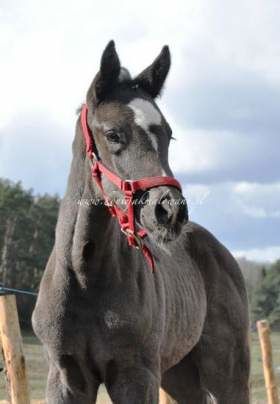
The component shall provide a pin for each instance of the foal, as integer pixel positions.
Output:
(172, 312)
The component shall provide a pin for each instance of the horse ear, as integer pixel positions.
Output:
(151, 80)
(108, 74)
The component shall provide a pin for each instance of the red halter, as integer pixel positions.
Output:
(127, 187)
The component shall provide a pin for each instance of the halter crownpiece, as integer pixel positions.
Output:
(126, 218)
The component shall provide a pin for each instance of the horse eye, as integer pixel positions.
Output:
(112, 136)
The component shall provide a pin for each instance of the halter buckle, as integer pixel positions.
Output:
(137, 239)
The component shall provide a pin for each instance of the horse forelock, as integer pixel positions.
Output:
(124, 75)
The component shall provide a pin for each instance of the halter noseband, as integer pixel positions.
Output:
(127, 187)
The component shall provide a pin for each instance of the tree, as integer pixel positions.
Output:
(253, 273)
(27, 229)
(14, 203)
(266, 301)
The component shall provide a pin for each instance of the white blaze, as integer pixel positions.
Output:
(145, 115)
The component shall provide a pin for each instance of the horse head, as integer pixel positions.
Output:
(131, 138)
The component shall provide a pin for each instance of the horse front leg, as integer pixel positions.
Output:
(137, 385)
(224, 369)
(68, 385)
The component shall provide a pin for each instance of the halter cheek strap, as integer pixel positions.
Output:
(126, 218)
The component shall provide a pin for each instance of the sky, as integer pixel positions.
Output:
(222, 99)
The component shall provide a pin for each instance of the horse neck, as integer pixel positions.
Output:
(85, 230)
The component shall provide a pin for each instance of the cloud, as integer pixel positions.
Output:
(209, 156)
(221, 98)
(232, 214)
(37, 152)
(227, 98)
(258, 200)
(269, 254)
(52, 56)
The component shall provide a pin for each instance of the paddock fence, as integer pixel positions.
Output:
(15, 369)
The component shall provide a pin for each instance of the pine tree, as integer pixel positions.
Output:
(27, 228)
(266, 301)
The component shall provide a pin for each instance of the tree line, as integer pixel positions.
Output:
(27, 227)
(27, 231)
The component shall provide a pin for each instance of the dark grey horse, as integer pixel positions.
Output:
(102, 314)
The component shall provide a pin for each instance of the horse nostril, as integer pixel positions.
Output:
(163, 212)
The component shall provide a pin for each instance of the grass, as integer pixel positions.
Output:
(37, 369)
(258, 388)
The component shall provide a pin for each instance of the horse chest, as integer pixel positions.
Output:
(185, 314)
(106, 323)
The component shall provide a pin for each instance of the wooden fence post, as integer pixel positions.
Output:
(269, 377)
(164, 397)
(12, 349)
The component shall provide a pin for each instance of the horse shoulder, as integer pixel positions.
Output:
(224, 283)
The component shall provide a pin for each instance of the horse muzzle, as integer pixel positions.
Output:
(164, 213)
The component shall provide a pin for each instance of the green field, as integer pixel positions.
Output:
(37, 369)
